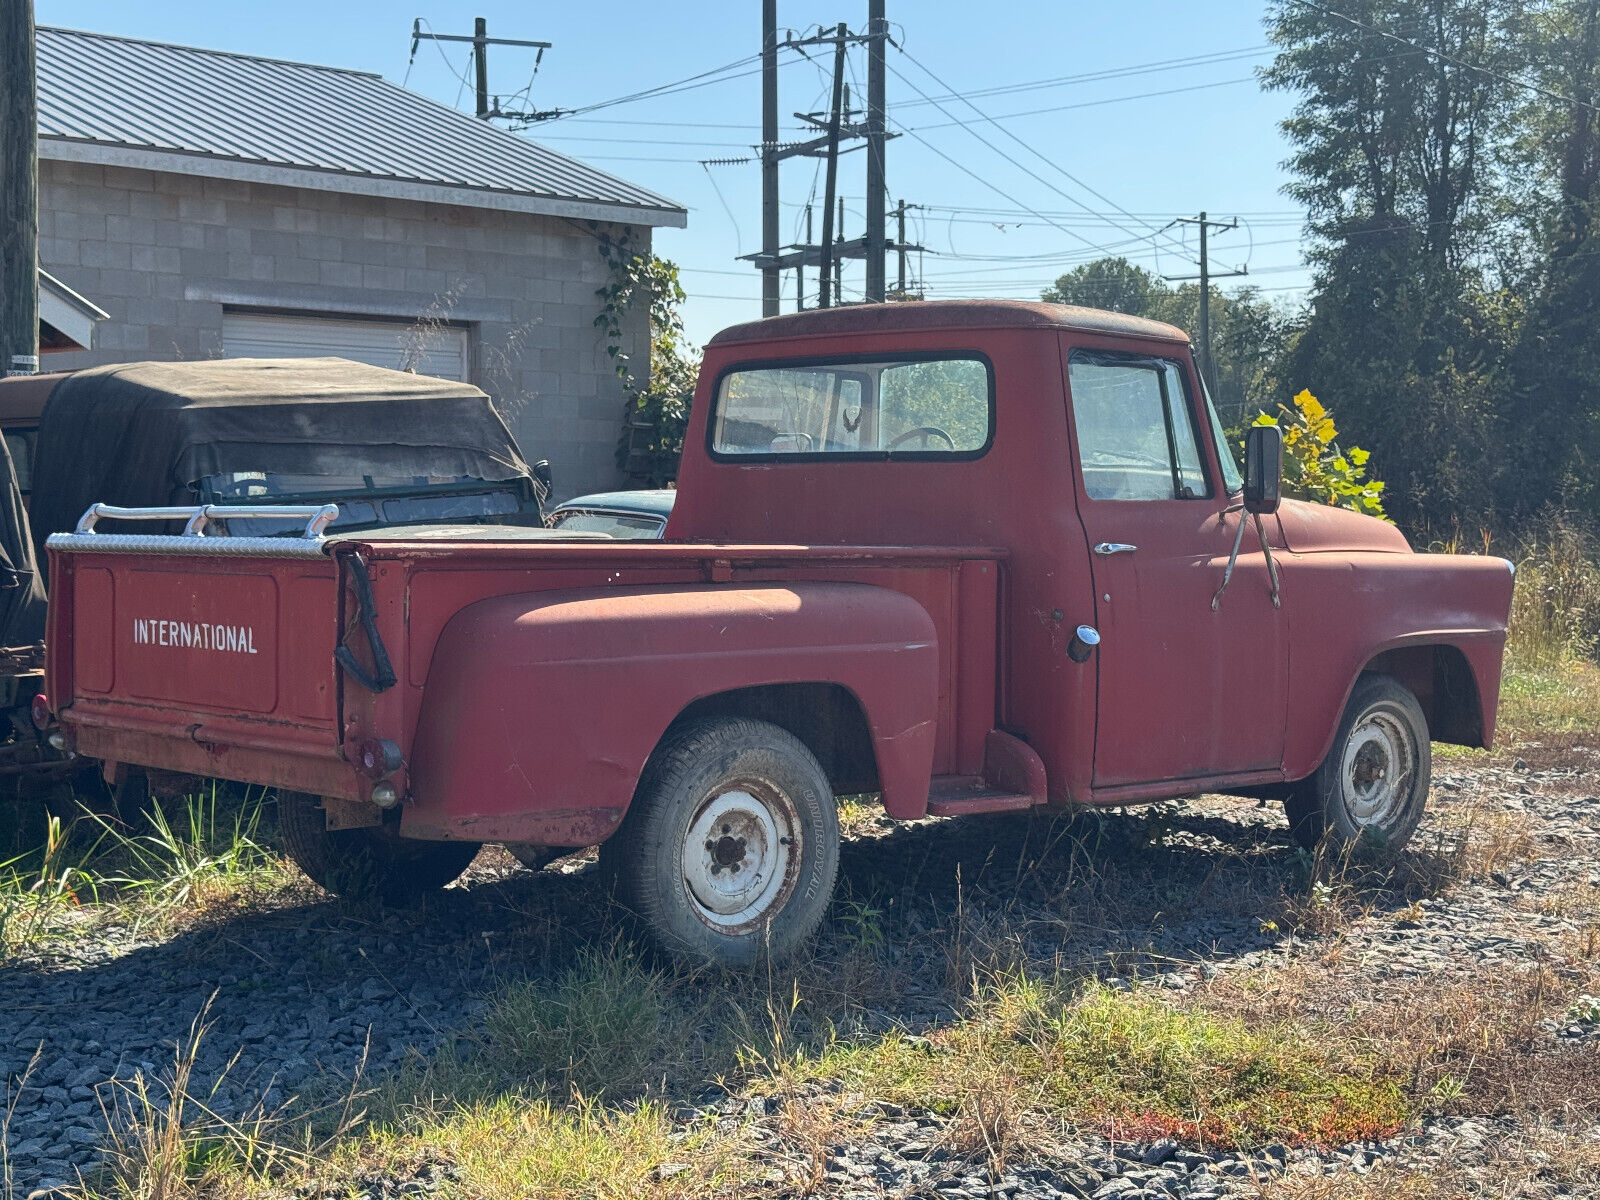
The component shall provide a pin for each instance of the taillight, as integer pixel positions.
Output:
(39, 710)
(377, 757)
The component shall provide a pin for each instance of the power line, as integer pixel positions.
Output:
(1147, 68)
(1056, 108)
(1049, 162)
(988, 183)
(688, 83)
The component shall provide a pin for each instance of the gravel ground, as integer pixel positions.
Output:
(304, 993)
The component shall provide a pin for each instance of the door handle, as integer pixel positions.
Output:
(1106, 549)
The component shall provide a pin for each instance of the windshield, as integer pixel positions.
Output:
(362, 500)
(612, 524)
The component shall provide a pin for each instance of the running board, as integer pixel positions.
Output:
(1013, 778)
(956, 797)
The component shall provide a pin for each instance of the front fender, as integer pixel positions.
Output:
(541, 709)
(1349, 609)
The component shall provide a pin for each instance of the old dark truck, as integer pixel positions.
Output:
(976, 557)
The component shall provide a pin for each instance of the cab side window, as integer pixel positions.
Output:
(1136, 438)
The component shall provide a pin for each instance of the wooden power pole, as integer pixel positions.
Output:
(1205, 277)
(19, 191)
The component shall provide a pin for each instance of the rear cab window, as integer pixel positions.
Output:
(885, 407)
(1135, 431)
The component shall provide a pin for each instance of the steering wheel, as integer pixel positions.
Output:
(925, 432)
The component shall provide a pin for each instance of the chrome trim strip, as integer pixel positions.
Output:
(178, 544)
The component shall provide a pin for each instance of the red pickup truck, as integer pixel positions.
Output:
(972, 556)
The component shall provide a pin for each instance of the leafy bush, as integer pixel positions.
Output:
(1315, 468)
(655, 412)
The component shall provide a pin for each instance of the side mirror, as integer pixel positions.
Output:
(1263, 469)
(541, 472)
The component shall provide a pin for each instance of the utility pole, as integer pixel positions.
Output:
(877, 201)
(831, 188)
(898, 212)
(1205, 277)
(481, 41)
(769, 162)
(19, 191)
(836, 126)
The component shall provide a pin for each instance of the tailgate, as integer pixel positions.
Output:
(210, 655)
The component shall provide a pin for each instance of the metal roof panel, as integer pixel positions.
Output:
(120, 91)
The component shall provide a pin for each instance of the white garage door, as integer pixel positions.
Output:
(429, 350)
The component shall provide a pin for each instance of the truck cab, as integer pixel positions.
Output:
(1084, 444)
(972, 556)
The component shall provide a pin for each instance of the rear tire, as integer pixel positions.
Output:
(731, 847)
(373, 862)
(1373, 786)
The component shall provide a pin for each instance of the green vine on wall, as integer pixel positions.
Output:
(655, 412)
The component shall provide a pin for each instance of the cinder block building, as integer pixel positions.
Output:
(221, 204)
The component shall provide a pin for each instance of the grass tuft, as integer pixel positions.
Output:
(1131, 1066)
(597, 1030)
(211, 851)
(38, 891)
(168, 1142)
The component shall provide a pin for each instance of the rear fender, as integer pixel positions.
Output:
(541, 709)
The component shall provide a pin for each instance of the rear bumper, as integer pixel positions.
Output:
(274, 757)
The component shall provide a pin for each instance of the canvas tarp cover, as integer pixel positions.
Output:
(141, 433)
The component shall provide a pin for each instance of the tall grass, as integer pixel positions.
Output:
(210, 849)
(175, 860)
(1555, 609)
(168, 1141)
(1552, 681)
(38, 890)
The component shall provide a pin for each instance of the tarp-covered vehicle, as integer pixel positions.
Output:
(389, 447)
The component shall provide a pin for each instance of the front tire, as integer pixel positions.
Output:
(731, 846)
(1373, 786)
(375, 862)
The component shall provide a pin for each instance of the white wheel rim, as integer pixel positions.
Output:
(1378, 768)
(740, 856)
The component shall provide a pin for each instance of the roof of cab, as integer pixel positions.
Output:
(945, 314)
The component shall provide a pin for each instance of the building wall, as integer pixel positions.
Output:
(165, 255)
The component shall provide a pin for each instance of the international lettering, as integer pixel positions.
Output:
(194, 635)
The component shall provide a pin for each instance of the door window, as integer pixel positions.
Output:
(1136, 440)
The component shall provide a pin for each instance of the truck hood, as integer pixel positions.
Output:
(1318, 528)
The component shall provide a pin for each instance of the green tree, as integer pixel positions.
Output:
(1114, 284)
(1404, 111)
(1553, 427)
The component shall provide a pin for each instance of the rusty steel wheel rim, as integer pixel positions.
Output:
(1377, 770)
(741, 856)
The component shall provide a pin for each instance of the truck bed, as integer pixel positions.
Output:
(219, 659)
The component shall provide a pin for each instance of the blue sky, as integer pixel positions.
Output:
(1033, 194)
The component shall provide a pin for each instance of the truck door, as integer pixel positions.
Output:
(1184, 689)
